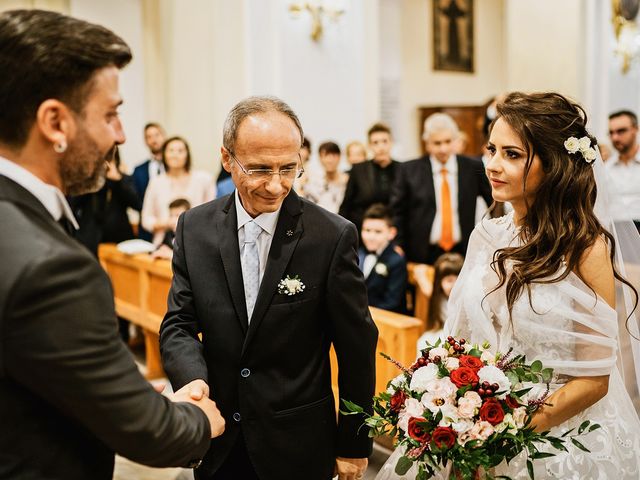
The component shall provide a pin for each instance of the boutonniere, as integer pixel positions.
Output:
(290, 286)
(381, 269)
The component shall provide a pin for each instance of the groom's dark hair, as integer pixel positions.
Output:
(46, 55)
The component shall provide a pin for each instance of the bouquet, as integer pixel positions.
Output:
(464, 404)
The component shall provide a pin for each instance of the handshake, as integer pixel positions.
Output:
(197, 393)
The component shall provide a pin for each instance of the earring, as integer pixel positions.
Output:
(60, 147)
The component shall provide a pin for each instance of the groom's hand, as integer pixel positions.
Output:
(198, 396)
(350, 468)
(196, 389)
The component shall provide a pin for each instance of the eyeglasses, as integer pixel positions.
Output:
(619, 131)
(266, 173)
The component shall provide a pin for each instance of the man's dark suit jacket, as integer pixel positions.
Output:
(413, 203)
(387, 288)
(363, 190)
(141, 181)
(70, 393)
(271, 376)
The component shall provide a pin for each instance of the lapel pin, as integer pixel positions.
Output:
(289, 233)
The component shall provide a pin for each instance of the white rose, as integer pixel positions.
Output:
(474, 397)
(442, 387)
(466, 408)
(493, 374)
(519, 416)
(589, 154)
(438, 352)
(462, 426)
(451, 363)
(412, 408)
(481, 430)
(422, 377)
(572, 144)
(584, 143)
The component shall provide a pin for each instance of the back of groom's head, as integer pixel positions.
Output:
(47, 55)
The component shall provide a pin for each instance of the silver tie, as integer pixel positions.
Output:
(251, 265)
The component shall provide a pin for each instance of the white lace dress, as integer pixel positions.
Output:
(568, 329)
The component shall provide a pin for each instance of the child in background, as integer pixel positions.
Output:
(447, 268)
(384, 269)
(176, 208)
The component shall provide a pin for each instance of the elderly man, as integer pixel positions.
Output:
(270, 281)
(434, 197)
(70, 393)
(624, 167)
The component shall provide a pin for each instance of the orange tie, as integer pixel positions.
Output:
(446, 236)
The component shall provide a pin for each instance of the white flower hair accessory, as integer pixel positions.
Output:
(290, 286)
(582, 145)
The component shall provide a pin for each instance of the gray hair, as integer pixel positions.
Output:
(437, 122)
(250, 106)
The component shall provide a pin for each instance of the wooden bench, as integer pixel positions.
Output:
(420, 276)
(141, 285)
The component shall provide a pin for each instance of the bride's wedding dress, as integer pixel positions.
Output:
(570, 330)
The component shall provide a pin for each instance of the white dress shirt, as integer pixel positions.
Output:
(51, 197)
(371, 260)
(624, 187)
(156, 167)
(267, 222)
(452, 177)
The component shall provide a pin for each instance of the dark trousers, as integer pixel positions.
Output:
(237, 466)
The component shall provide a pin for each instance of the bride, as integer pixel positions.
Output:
(543, 280)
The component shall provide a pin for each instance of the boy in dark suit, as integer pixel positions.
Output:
(384, 269)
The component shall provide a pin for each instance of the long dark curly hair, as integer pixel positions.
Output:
(560, 223)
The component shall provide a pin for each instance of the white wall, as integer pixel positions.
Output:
(124, 17)
(422, 86)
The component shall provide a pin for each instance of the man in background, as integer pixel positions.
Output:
(70, 392)
(371, 181)
(154, 137)
(624, 167)
(434, 197)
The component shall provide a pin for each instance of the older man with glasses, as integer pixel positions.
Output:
(270, 281)
(624, 167)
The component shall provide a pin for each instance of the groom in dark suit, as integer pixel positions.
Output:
(270, 281)
(434, 197)
(70, 392)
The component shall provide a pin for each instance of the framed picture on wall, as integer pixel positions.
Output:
(453, 35)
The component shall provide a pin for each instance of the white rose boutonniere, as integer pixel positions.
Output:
(381, 269)
(290, 286)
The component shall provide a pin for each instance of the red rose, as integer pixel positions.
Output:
(397, 401)
(464, 376)
(416, 431)
(443, 437)
(512, 402)
(491, 411)
(471, 362)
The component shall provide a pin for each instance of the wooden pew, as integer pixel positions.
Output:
(420, 276)
(141, 285)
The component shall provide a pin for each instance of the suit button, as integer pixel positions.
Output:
(237, 417)
(245, 372)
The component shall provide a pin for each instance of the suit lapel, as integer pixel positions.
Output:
(285, 239)
(230, 254)
(427, 179)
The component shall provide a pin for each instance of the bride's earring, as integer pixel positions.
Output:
(60, 147)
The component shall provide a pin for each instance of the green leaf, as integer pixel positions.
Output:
(474, 352)
(536, 366)
(547, 374)
(513, 377)
(403, 465)
(351, 407)
(583, 426)
(537, 455)
(580, 445)
(593, 427)
(530, 469)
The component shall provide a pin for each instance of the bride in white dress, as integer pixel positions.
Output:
(541, 280)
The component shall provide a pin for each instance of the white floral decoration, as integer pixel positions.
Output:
(582, 145)
(381, 269)
(290, 286)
